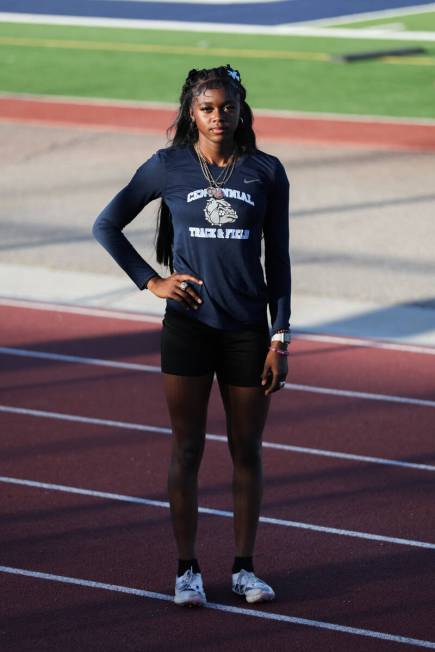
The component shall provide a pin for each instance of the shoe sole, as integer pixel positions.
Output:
(256, 597)
(190, 602)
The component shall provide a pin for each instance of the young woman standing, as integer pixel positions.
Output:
(220, 197)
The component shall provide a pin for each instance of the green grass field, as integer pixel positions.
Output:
(279, 72)
(424, 22)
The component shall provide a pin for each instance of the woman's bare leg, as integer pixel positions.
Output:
(246, 411)
(187, 398)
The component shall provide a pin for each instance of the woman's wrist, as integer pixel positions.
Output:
(278, 351)
(279, 341)
(152, 281)
(281, 336)
(279, 345)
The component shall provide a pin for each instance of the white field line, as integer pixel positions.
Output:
(9, 409)
(220, 512)
(372, 15)
(145, 317)
(253, 613)
(230, 28)
(99, 362)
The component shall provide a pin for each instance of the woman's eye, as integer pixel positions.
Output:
(227, 107)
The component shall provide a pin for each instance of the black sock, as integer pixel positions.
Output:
(185, 564)
(243, 563)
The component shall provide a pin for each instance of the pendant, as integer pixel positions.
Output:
(217, 193)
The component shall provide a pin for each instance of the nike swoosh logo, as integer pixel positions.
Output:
(250, 180)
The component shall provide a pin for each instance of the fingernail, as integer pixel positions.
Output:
(196, 307)
(199, 300)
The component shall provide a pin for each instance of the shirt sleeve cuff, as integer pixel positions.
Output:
(143, 285)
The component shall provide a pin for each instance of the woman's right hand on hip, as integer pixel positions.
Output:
(171, 288)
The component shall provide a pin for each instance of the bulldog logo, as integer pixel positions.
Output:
(219, 211)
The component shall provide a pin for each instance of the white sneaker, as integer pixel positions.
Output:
(245, 583)
(189, 589)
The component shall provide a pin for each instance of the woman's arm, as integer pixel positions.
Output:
(276, 251)
(147, 184)
(278, 277)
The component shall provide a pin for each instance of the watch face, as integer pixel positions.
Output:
(282, 337)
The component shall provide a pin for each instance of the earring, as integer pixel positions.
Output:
(241, 119)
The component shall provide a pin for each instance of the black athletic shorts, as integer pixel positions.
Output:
(191, 348)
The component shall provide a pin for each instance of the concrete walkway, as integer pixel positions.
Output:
(362, 229)
(358, 319)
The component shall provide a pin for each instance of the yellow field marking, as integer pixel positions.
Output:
(163, 49)
(411, 61)
(113, 46)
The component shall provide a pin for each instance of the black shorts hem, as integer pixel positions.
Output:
(191, 348)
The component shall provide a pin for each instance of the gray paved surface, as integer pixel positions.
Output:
(362, 221)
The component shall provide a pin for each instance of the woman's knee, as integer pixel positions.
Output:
(188, 455)
(246, 455)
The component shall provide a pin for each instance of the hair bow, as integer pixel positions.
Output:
(234, 74)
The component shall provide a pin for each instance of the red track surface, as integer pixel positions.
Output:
(322, 576)
(364, 133)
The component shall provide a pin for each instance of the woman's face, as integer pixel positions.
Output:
(216, 112)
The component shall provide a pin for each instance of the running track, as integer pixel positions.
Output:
(282, 126)
(347, 543)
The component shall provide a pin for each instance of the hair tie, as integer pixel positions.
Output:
(233, 73)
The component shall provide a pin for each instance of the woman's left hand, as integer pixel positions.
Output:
(274, 372)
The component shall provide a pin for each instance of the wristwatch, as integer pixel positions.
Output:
(282, 336)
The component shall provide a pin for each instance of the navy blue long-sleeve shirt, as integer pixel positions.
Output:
(217, 240)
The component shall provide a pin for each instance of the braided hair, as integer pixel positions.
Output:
(186, 133)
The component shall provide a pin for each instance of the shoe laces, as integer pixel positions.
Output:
(186, 583)
(248, 580)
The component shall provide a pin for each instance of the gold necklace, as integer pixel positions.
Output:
(215, 189)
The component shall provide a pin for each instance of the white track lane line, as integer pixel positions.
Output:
(147, 318)
(365, 344)
(105, 313)
(220, 512)
(253, 613)
(221, 438)
(100, 362)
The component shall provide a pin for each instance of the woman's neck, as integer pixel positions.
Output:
(217, 153)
